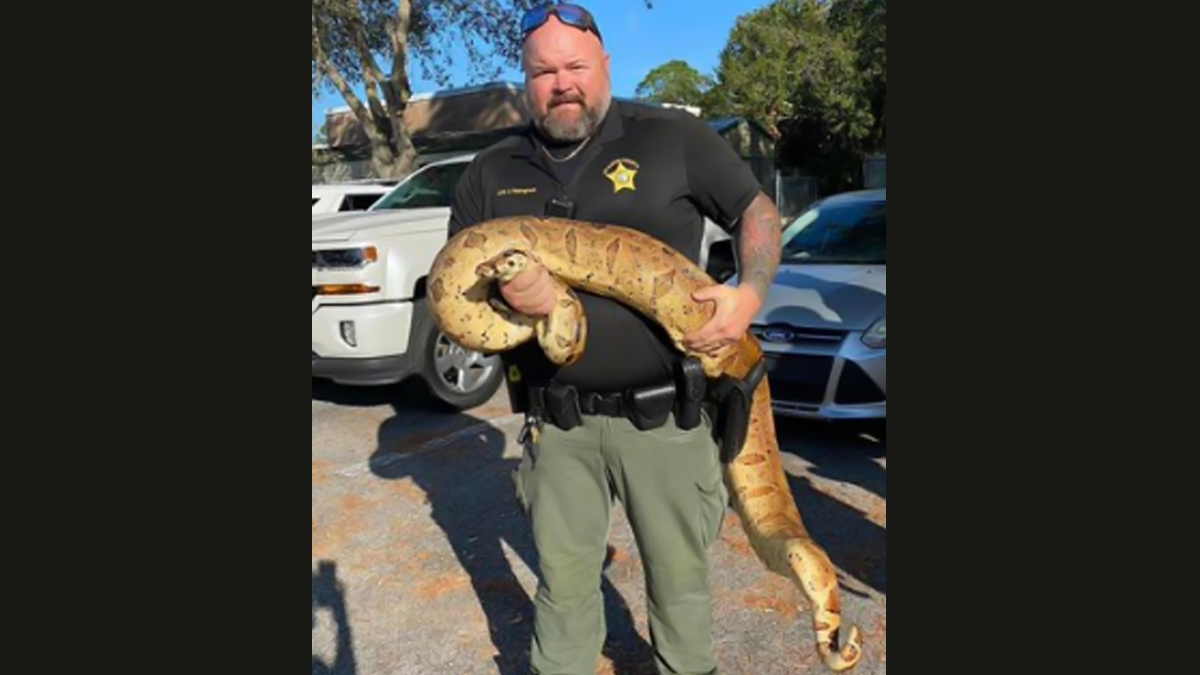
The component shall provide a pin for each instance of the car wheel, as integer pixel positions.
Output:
(458, 378)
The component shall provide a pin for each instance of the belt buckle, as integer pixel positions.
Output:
(607, 406)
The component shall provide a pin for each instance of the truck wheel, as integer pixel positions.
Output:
(458, 378)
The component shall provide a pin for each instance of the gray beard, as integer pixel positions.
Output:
(577, 131)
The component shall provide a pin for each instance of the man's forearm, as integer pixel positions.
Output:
(759, 245)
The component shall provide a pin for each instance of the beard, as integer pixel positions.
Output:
(570, 129)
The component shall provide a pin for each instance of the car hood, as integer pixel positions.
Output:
(346, 226)
(840, 297)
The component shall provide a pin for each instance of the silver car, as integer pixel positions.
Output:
(824, 326)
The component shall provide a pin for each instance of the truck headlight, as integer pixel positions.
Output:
(345, 258)
(876, 336)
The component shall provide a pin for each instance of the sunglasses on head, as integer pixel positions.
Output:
(572, 15)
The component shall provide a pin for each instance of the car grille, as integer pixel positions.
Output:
(799, 378)
(856, 387)
(803, 380)
(816, 338)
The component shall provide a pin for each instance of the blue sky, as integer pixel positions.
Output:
(638, 39)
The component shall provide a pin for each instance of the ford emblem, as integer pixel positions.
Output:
(779, 335)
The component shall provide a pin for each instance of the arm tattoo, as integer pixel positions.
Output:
(760, 245)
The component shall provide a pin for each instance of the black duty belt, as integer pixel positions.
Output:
(728, 401)
(648, 407)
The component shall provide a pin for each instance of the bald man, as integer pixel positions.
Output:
(615, 425)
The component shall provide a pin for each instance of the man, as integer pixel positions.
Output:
(660, 171)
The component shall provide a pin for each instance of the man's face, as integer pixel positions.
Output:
(567, 81)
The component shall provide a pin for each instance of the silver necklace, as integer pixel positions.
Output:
(569, 157)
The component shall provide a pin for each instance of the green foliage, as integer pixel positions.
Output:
(814, 74)
(675, 82)
(372, 44)
(486, 29)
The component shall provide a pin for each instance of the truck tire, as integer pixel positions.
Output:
(457, 378)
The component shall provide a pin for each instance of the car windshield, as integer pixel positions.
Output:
(850, 234)
(430, 188)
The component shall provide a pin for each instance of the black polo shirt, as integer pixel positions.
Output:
(657, 170)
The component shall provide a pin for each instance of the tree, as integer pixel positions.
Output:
(675, 82)
(351, 38)
(863, 23)
(813, 73)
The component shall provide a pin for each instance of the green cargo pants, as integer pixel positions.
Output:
(670, 484)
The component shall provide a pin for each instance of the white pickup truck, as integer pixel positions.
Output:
(343, 197)
(370, 323)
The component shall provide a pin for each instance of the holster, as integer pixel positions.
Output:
(650, 408)
(691, 388)
(561, 403)
(734, 399)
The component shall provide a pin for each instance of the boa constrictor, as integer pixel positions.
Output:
(643, 273)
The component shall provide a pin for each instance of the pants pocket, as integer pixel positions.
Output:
(714, 499)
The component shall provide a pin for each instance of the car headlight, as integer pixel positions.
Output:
(345, 258)
(876, 336)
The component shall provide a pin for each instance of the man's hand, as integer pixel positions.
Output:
(736, 308)
(759, 243)
(531, 292)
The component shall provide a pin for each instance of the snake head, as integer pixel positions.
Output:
(504, 267)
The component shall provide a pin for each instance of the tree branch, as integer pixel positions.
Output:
(331, 72)
(372, 76)
(399, 35)
(399, 91)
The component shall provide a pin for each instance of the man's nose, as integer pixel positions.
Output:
(564, 83)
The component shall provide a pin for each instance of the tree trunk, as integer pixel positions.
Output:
(383, 162)
(392, 154)
(398, 91)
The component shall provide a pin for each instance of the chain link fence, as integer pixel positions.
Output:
(875, 172)
(794, 194)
